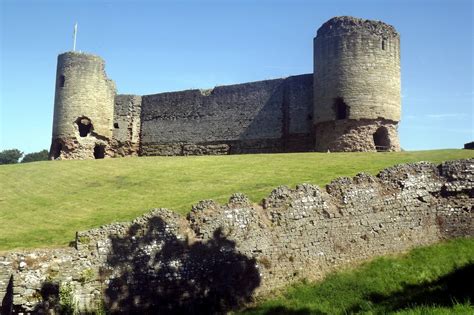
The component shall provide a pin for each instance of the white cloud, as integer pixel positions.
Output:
(447, 116)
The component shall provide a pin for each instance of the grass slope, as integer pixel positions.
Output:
(43, 204)
(433, 280)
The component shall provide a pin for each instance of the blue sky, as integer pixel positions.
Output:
(157, 46)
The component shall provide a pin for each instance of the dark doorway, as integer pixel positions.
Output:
(340, 108)
(85, 126)
(99, 151)
(57, 151)
(381, 139)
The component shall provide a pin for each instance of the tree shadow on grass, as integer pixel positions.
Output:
(282, 310)
(455, 287)
(158, 272)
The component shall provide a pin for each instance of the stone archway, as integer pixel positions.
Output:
(99, 151)
(381, 139)
(57, 151)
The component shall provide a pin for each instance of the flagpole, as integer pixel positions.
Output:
(75, 34)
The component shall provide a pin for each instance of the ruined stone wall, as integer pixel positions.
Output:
(356, 135)
(264, 116)
(126, 135)
(221, 256)
(84, 95)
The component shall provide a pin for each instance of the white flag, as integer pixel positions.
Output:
(75, 34)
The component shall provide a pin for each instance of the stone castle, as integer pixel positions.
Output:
(351, 102)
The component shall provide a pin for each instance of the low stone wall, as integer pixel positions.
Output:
(222, 256)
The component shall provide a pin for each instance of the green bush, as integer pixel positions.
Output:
(10, 156)
(36, 156)
(66, 299)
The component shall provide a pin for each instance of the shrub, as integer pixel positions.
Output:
(36, 156)
(66, 299)
(10, 156)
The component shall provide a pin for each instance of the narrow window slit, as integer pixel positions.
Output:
(62, 81)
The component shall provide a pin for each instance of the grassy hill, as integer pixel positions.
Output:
(42, 204)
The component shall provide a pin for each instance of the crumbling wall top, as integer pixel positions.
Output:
(340, 25)
(81, 55)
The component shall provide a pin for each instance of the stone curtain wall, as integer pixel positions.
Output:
(222, 256)
(264, 116)
(126, 136)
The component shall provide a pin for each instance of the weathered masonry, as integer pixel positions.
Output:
(221, 256)
(350, 103)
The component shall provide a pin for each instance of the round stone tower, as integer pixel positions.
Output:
(83, 108)
(356, 86)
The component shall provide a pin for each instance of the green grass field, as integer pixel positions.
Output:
(42, 204)
(437, 279)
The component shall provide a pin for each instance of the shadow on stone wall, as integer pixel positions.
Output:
(7, 301)
(50, 301)
(156, 270)
(287, 120)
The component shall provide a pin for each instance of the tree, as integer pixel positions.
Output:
(10, 156)
(36, 156)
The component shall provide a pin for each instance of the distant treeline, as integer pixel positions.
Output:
(13, 156)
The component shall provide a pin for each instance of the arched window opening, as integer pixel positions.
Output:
(381, 139)
(116, 126)
(62, 81)
(85, 126)
(99, 151)
(384, 44)
(340, 108)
